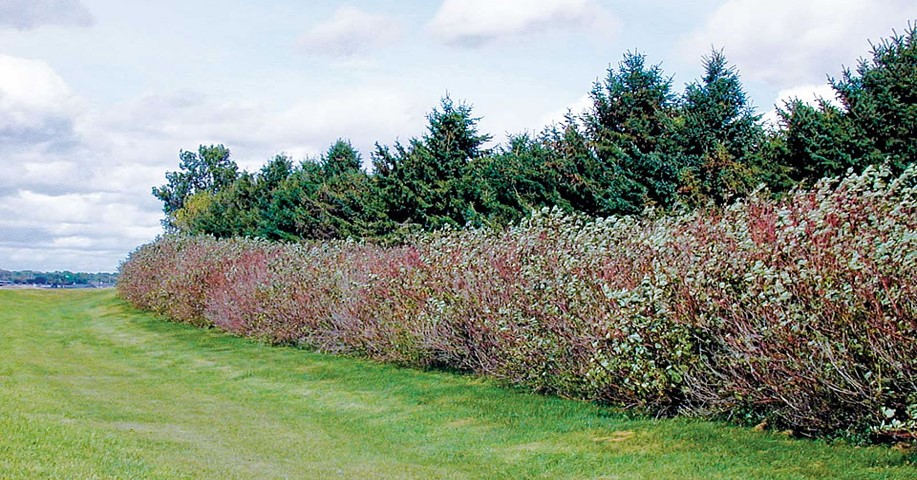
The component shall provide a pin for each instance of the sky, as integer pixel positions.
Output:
(98, 97)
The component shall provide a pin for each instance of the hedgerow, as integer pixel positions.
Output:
(801, 311)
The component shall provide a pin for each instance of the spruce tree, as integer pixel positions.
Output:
(629, 128)
(719, 135)
(880, 99)
(875, 121)
(425, 183)
(341, 158)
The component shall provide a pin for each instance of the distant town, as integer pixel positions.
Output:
(65, 279)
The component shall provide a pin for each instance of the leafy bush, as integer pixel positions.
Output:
(802, 311)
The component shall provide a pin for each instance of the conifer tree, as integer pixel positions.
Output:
(341, 158)
(630, 125)
(719, 135)
(880, 99)
(874, 121)
(425, 182)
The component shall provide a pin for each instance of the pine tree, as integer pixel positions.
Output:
(341, 158)
(875, 122)
(425, 182)
(881, 99)
(719, 135)
(630, 125)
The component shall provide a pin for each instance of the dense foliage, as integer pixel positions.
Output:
(640, 145)
(801, 310)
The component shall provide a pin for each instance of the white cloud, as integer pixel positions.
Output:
(791, 42)
(576, 107)
(153, 128)
(36, 106)
(809, 94)
(479, 22)
(65, 202)
(350, 32)
(86, 205)
(366, 115)
(31, 83)
(43, 209)
(28, 14)
(75, 231)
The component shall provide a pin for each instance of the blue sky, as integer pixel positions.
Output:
(97, 97)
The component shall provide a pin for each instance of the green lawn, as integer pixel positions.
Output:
(90, 388)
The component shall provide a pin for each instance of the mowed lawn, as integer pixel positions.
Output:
(90, 388)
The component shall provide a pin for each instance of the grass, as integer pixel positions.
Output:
(90, 388)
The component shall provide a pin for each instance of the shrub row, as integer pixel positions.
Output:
(802, 311)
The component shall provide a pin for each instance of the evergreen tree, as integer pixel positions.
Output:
(239, 209)
(589, 183)
(881, 99)
(290, 214)
(341, 158)
(272, 174)
(266, 185)
(719, 135)
(518, 179)
(630, 125)
(425, 183)
(325, 199)
(875, 122)
(818, 141)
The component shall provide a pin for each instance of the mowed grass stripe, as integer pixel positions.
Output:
(90, 388)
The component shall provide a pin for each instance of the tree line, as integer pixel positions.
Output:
(66, 277)
(640, 145)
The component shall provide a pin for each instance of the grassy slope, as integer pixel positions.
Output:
(91, 389)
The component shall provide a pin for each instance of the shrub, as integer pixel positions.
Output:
(802, 311)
